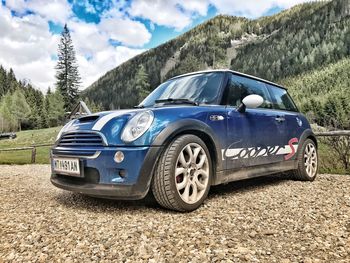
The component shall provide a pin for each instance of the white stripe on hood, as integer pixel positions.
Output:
(103, 121)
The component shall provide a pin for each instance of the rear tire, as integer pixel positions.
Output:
(307, 162)
(183, 174)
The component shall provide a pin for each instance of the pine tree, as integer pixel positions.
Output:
(19, 107)
(92, 105)
(142, 84)
(2, 81)
(7, 118)
(12, 83)
(13, 110)
(68, 78)
(54, 107)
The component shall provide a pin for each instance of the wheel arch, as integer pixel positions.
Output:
(308, 134)
(300, 173)
(207, 139)
(313, 138)
(197, 128)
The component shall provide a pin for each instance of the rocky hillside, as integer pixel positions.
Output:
(304, 38)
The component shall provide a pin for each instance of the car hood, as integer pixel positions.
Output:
(98, 121)
(111, 123)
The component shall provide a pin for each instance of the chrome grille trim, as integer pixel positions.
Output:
(94, 156)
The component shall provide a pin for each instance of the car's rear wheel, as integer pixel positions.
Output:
(183, 175)
(307, 162)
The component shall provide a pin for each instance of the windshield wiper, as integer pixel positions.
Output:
(177, 101)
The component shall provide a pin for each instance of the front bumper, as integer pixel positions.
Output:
(102, 175)
(127, 192)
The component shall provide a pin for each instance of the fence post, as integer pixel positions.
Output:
(33, 154)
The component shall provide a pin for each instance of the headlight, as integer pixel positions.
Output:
(137, 126)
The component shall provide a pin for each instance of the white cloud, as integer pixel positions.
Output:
(18, 6)
(104, 61)
(94, 53)
(87, 5)
(27, 46)
(251, 8)
(126, 31)
(87, 38)
(196, 6)
(176, 14)
(179, 14)
(40, 72)
(57, 11)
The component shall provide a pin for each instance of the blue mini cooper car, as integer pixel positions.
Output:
(193, 131)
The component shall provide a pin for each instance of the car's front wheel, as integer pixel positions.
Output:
(182, 178)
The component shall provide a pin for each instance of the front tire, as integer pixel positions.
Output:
(183, 174)
(307, 162)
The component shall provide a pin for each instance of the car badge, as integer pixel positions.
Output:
(216, 118)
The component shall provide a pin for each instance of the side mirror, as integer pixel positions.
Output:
(251, 101)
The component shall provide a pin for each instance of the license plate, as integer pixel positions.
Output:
(67, 166)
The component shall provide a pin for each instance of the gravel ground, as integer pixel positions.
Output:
(260, 220)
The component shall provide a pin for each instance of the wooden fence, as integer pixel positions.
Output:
(34, 147)
(332, 133)
(25, 148)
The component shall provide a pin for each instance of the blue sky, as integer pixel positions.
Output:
(105, 33)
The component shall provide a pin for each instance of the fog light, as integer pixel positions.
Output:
(122, 173)
(119, 157)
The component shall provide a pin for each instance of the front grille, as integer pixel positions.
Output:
(81, 139)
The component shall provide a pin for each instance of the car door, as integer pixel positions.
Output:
(254, 137)
(290, 119)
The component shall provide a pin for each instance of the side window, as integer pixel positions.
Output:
(239, 87)
(281, 99)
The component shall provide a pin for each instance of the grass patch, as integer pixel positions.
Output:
(328, 160)
(28, 138)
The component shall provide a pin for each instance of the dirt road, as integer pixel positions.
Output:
(260, 220)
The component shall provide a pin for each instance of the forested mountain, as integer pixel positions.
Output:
(306, 42)
(323, 94)
(304, 38)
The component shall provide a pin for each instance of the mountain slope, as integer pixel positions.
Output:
(309, 41)
(323, 94)
(116, 87)
(302, 38)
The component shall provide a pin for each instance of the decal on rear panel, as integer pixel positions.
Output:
(261, 151)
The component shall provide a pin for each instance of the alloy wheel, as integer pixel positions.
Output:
(310, 160)
(192, 173)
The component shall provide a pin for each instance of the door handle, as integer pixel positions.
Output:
(280, 119)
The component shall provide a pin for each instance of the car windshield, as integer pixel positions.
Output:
(199, 88)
